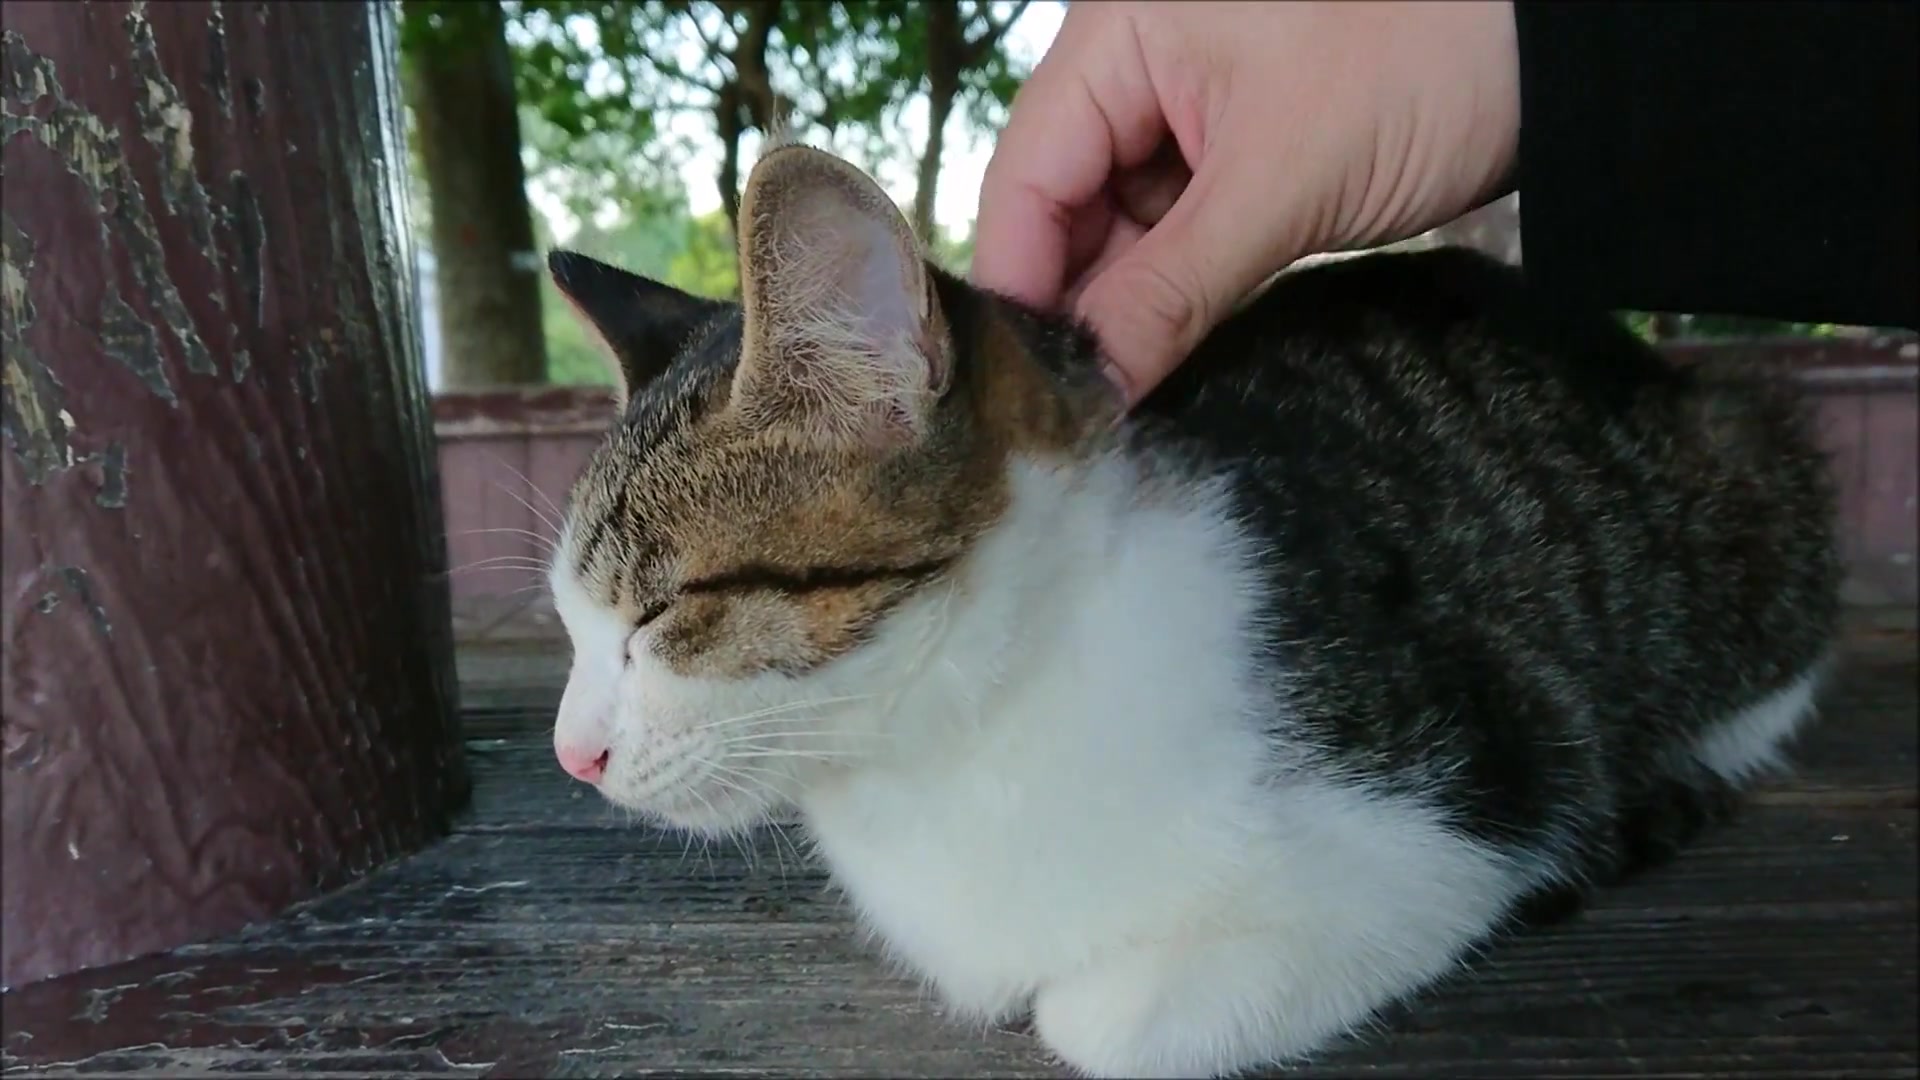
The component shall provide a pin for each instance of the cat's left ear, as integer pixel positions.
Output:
(843, 334)
(641, 323)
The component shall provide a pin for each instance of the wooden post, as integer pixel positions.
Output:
(228, 666)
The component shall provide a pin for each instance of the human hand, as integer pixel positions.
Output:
(1165, 159)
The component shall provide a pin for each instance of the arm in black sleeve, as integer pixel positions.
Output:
(1750, 159)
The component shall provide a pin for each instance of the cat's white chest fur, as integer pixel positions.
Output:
(1105, 816)
(1094, 783)
(1070, 830)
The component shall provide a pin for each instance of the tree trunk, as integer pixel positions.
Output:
(460, 84)
(228, 665)
(946, 46)
(726, 116)
(927, 189)
(747, 99)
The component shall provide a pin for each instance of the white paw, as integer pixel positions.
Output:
(986, 1002)
(1209, 1009)
(1118, 1021)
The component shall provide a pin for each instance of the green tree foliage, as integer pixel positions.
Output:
(706, 264)
(604, 74)
(600, 83)
(955, 50)
(1663, 326)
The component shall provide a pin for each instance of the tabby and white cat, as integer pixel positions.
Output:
(1205, 731)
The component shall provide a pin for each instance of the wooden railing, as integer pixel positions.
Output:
(508, 457)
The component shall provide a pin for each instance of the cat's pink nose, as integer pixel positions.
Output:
(588, 763)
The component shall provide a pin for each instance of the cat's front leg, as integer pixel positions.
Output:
(980, 999)
(1213, 1008)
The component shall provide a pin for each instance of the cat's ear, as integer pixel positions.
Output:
(843, 335)
(642, 324)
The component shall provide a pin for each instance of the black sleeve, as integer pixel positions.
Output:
(1752, 159)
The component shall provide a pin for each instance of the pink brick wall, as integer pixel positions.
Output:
(507, 459)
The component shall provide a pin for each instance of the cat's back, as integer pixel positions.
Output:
(1473, 504)
(1435, 396)
(1423, 329)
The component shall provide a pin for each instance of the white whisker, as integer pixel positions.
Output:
(751, 750)
(774, 731)
(531, 486)
(783, 707)
(509, 559)
(780, 832)
(546, 542)
(768, 787)
(489, 565)
(546, 520)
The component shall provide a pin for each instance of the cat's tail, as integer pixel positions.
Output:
(1763, 528)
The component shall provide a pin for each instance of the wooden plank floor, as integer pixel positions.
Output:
(549, 938)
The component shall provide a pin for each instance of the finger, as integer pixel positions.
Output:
(1087, 110)
(1119, 239)
(1154, 303)
(1135, 202)
(1087, 234)
(1148, 191)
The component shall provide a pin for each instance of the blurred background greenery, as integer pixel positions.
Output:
(624, 129)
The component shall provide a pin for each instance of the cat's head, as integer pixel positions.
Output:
(791, 477)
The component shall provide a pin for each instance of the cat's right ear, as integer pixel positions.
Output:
(642, 324)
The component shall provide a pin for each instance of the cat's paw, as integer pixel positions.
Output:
(1098, 1025)
(1210, 1010)
(986, 1002)
(1115, 1022)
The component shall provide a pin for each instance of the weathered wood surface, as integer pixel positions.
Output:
(550, 938)
(228, 679)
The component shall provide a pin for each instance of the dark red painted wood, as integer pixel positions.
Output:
(228, 669)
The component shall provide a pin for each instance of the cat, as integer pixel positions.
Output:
(1200, 732)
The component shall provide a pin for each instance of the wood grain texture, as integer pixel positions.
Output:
(228, 673)
(549, 938)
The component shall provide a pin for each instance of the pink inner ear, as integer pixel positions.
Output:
(837, 311)
(883, 297)
(843, 262)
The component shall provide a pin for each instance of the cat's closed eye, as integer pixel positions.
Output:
(653, 611)
(647, 617)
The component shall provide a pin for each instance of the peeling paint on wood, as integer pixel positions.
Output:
(112, 463)
(250, 244)
(167, 123)
(229, 680)
(35, 423)
(217, 80)
(81, 586)
(91, 152)
(313, 365)
(131, 340)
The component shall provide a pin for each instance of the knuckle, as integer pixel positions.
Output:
(1167, 296)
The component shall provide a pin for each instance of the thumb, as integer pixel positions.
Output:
(1152, 305)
